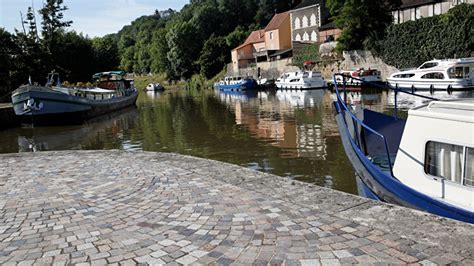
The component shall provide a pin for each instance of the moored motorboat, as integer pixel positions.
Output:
(358, 77)
(154, 87)
(425, 162)
(57, 104)
(237, 83)
(301, 80)
(449, 74)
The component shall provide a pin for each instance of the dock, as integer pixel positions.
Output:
(109, 207)
(7, 116)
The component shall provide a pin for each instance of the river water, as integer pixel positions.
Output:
(288, 133)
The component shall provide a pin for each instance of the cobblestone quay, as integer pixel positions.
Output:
(126, 208)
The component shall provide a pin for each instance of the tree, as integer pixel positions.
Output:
(159, 49)
(52, 24)
(236, 37)
(362, 22)
(214, 55)
(183, 50)
(105, 50)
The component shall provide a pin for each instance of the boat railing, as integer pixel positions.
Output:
(358, 138)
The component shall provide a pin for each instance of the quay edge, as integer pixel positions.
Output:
(149, 202)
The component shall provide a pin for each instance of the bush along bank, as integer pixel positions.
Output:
(445, 36)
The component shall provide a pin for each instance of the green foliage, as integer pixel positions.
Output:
(362, 22)
(214, 55)
(445, 36)
(52, 23)
(197, 82)
(308, 52)
(236, 37)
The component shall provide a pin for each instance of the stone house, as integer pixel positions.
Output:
(271, 43)
(416, 9)
(306, 19)
(243, 55)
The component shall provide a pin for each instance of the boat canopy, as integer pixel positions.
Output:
(108, 74)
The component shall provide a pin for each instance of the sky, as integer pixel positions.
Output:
(92, 17)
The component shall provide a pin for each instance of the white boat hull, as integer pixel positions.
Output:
(432, 84)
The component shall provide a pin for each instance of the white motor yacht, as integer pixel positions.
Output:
(301, 80)
(449, 74)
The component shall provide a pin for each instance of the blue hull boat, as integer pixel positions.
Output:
(243, 84)
(371, 141)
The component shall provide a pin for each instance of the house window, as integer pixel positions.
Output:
(444, 160)
(417, 13)
(305, 22)
(305, 37)
(430, 10)
(271, 35)
(314, 36)
(395, 17)
(437, 8)
(312, 20)
(297, 23)
(298, 37)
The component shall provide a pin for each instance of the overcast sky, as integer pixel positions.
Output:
(91, 17)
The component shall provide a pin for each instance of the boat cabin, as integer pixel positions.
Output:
(113, 80)
(435, 159)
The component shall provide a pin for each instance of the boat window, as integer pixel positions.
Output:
(456, 72)
(444, 160)
(469, 171)
(433, 75)
(466, 72)
(409, 75)
(305, 75)
(428, 65)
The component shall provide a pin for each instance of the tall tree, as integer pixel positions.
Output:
(53, 24)
(362, 22)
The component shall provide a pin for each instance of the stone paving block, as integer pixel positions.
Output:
(102, 208)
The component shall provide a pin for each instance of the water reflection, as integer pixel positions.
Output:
(288, 133)
(407, 101)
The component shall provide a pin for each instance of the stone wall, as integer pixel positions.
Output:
(328, 66)
(355, 59)
(271, 69)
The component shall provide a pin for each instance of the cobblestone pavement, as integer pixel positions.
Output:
(112, 207)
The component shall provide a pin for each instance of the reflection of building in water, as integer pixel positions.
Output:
(311, 141)
(271, 116)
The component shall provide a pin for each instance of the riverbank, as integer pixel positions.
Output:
(141, 207)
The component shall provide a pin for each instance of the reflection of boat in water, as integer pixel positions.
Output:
(232, 96)
(407, 101)
(425, 162)
(299, 98)
(58, 105)
(154, 94)
(77, 136)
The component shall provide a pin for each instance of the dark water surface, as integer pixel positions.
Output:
(287, 133)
